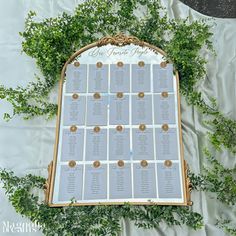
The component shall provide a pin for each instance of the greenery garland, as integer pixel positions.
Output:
(88, 220)
(50, 43)
(216, 179)
(227, 226)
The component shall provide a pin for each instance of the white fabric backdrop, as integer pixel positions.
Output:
(27, 146)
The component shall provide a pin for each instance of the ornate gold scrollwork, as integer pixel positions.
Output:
(119, 40)
(188, 185)
(47, 183)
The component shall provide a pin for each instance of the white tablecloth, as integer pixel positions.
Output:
(27, 146)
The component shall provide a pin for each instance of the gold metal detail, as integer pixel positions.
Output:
(119, 40)
(96, 129)
(144, 163)
(141, 95)
(120, 163)
(142, 127)
(76, 64)
(96, 164)
(97, 96)
(188, 185)
(163, 64)
(75, 96)
(73, 128)
(141, 63)
(119, 95)
(165, 127)
(168, 163)
(120, 64)
(119, 128)
(47, 184)
(164, 94)
(99, 64)
(72, 163)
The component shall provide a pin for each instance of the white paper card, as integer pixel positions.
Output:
(144, 181)
(168, 181)
(97, 110)
(166, 144)
(96, 145)
(72, 145)
(98, 79)
(95, 186)
(163, 78)
(119, 78)
(143, 147)
(119, 144)
(164, 109)
(70, 185)
(119, 110)
(141, 110)
(120, 181)
(74, 110)
(141, 80)
(76, 79)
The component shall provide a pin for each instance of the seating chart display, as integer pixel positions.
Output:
(118, 136)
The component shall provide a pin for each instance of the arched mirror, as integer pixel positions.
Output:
(118, 136)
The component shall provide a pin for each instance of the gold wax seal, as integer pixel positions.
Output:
(144, 163)
(168, 163)
(72, 164)
(165, 127)
(119, 95)
(164, 94)
(142, 127)
(120, 63)
(99, 64)
(76, 64)
(97, 95)
(73, 128)
(75, 96)
(119, 128)
(120, 163)
(141, 63)
(96, 164)
(96, 129)
(141, 95)
(163, 64)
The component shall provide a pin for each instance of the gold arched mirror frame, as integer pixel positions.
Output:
(118, 41)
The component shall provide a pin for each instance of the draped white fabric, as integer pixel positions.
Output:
(27, 146)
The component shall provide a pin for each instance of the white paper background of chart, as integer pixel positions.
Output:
(111, 55)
